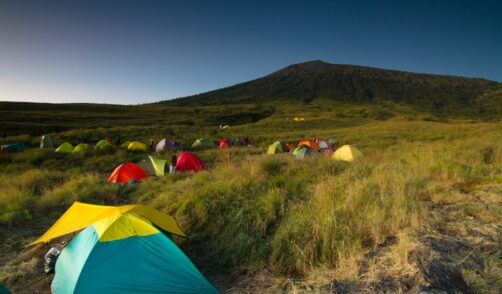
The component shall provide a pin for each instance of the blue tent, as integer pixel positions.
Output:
(126, 254)
(14, 147)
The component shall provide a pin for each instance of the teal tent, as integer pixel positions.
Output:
(14, 147)
(126, 254)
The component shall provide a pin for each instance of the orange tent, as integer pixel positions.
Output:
(127, 172)
(310, 144)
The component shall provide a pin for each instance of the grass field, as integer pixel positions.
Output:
(425, 199)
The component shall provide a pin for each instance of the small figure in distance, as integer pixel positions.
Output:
(174, 159)
(152, 145)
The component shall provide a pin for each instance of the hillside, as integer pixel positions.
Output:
(343, 90)
(309, 81)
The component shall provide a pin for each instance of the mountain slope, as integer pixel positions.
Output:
(313, 80)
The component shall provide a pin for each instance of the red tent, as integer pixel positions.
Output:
(126, 172)
(223, 144)
(189, 162)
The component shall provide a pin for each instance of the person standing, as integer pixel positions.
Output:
(172, 167)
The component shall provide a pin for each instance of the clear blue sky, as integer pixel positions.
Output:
(131, 52)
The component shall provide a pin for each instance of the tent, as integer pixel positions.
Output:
(202, 143)
(82, 148)
(46, 142)
(305, 151)
(322, 144)
(223, 144)
(103, 146)
(127, 172)
(297, 119)
(137, 146)
(310, 144)
(153, 166)
(122, 249)
(3, 289)
(166, 145)
(66, 147)
(125, 144)
(277, 147)
(225, 127)
(347, 153)
(189, 162)
(14, 147)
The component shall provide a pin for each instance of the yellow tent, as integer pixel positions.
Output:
(136, 146)
(347, 153)
(81, 215)
(299, 119)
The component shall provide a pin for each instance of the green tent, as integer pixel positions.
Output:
(66, 147)
(305, 151)
(277, 147)
(125, 144)
(203, 143)
(153, 166)
(82, 148)
(103, 146)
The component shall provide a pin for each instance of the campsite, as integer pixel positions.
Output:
(250, 147)
(260, 212)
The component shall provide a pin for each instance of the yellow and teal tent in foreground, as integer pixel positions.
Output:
(66, 147)
(347, 153)
(122, 249)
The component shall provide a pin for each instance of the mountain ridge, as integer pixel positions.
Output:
(313, 80)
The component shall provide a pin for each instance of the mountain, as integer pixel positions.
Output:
(309, 81)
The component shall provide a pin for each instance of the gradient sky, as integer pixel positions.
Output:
(130, 52)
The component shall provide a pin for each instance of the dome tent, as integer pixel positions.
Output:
(103, 146)
(223, 144)
(121, 249)
(189, 162)
(310, 144)
(347, 153)
(202, 143)
(46, 142)
(82, 148)
(137, 146)
(125, 144)
(277, 147)
(305, 151)
(165, 144)
(127, 172)
(153, 166)
(14, 147)
(322, 144)
(66, 147)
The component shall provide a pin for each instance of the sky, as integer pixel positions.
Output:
(131, 52)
